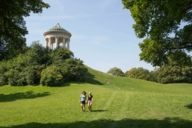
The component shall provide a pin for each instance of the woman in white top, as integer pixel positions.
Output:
(83, 100)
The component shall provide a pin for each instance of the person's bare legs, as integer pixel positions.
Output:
(82, 107)
(90, 106)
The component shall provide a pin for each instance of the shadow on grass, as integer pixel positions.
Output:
(90, 78)
(99, 110)
(189, 106)
(21, 95)
(124, 123)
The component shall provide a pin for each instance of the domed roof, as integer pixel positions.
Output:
(57, 28)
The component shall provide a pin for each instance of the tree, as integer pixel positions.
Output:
(166, 27)
(116, 71)
(39, 65)
(38, 54)
(174, 74)
(61, 54)
(51, 76)
(76, 71)
(140, 73)
(12, 24)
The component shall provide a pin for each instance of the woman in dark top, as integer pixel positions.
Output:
(90, 101)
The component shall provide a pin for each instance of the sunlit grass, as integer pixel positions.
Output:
(119, 102)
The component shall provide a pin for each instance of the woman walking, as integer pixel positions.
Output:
(83, 100)
(90, 101)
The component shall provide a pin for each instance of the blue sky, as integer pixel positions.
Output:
(102, 33)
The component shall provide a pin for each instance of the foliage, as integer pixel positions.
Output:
(116, 71)
(40, 65)
(140, 73)
(174, 74)
(60, 54)
(12, 24)
(25, 68)
(51, 76)
(16, 77)
(166, 27)
(33, 74)
(70, 70)
(38, 54)
(3, 69)
(76, 69)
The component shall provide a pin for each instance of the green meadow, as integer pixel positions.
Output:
(119, 102)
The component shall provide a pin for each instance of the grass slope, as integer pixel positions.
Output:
(118, 103)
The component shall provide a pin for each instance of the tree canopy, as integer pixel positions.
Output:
(39, 65)
(140, 73)
(12, 24)
(165, 26)
(116, 71)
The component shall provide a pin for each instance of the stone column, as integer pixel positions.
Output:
(64, 42)
(68, 46)
(57, 42)
(46, 42)
(49, 42)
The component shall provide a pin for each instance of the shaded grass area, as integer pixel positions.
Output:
(21, 95)
(189, 106)
(124, 123)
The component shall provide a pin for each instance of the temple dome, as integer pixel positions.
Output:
(57, 29)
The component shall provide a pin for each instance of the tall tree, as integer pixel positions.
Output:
(12, 24)
(165, 26)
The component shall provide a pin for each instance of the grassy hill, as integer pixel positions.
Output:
(118, 103)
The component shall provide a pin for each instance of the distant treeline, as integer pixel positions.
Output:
(164, 74)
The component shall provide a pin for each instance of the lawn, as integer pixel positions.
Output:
(118, 103)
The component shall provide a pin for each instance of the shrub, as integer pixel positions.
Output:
(174, 74)
(16, 77)
(60, 54)
(140, 73)
(51, 76)
(3, 80)
(33, 75)
(76, 70)
(3, 69)
(116, 72)
(39, 65)
(37, 54)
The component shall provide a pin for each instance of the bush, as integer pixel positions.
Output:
(174, 74)
(60, 54)
(140, 73)
(51, 76)
(16, 77)
(39, 65)
(38, 55)
(76, 70)
(33, 75)
(3, 80)
(116, 72)
(3, 69)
